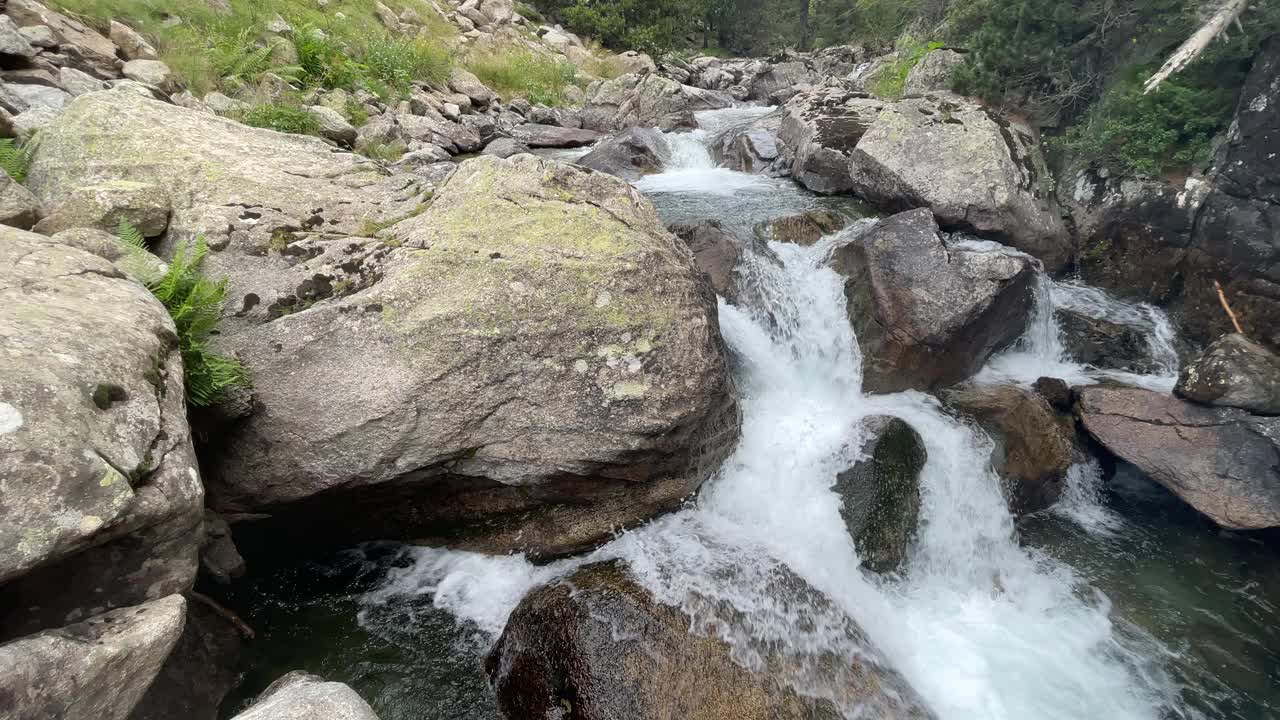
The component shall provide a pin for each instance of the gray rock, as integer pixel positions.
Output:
(630, 154)
(428, 155)
(783, 76)
(86, 49)
(132, 45)
(505, 148)
(26, 124)
(751, 148)
(191, 102)
(1223, 462)
(103, 206)
(219, 558)
(498, 11)
(12, 41)
(99, 492)
(34, 97)
(203, 667)
(550, 136)
(153, 73)
(109, 247)
(39, 36)
(333, 125)
(453, 137)
(78, 83)
(18, 207)
(94, 670)
(302, 696)
(627, 655)
(1233, 372)
(461, 81)
(975, 171)
(928, 313)
(933, 72)
(223, 105)
(716, 250)
(1102, 343)
(560, 117)
(818, 134)
(880, 494)
(648, 100)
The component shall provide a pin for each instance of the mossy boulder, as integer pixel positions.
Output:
(880, 495)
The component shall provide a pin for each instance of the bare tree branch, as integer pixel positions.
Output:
(1187, 52)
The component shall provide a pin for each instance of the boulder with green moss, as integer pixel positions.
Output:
(100, 496)
(880, 494)
(537, 365)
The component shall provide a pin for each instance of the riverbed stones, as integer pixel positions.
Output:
(93, 670)
(648, 100)
(100, 497)
(928, 313)
(302, 696)
(630, 154)
(880, 494)
(598, 646)
(536, 365)
(804, 228)
(1224, 462)
(1233, 372)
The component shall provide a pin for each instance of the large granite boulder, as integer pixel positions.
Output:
(933, 72)
(929, 313)
(535, 135)
(303, 696)
(100, 497)
(1034, 445)
(820, 130)
(1233, 372)
(751, 147)
(716, 250)
(880, 494)
(97, 669)
(203, 667)
(975, 170)
(536, 365)
(630, 154)
(648, 100)
(1223, 462)
(782, 77)
(598, 646)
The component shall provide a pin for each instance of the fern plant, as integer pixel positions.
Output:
(195, 304)
(15, 158)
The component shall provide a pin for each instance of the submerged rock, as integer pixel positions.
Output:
(94, 670)
(928, 313)
(1223, 462)
(100, 497)
(804, 228)
(630, 154)
(303, 696)
(597, 646)
(880, 496)
(1103, 343)
(1035, 446)
(1233, 372)
(648, 100)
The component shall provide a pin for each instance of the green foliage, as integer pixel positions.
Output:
(521, 73)
(282, 118)
(873, 23)
(384, 152)
(195, 304)
(15, 158)
(892, 78)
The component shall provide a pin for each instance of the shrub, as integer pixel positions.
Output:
(15, 158)
(398, 61)
(523, 73)
(384, 152)
(282, 118)
(195, 304)
(890, 81)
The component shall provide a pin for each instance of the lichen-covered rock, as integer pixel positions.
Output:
(464, 82)
(103, 205)
(505, 148)
(82, 47)
(12, 41)
(203, 667)
(152, 73)
(132, 45)
(648, 100)
(1223, 462)
(599, 645)
(929, 313)
(974, 170)
(303, 696)
(1233, 372)
(18, 207)
(880, 495)
(933, 72)
(536, 365)
(333, 125)
(804, 228)
(820, 130)
(630, 154)
(100, 498)
(93, 670)
(782, 76)
(1034, 448)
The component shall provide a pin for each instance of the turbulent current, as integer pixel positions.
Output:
(987, 620)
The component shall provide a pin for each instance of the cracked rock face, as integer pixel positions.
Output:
(538, 364)
(929, 313)
(1223, 462)
(99, 490)
(302, 696)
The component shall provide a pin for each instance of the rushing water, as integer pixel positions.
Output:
(1119, 603)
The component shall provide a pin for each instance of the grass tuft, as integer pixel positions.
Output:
(282, 118)
(891, 80)
(525, 74)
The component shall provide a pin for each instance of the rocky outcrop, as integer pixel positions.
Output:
(646, 101)
(928, 313)
(880, 495)
(93, 670)
(820, 130)
(598, 643)
(804, 228)
(716, 250)
(552, 136)
(1035, 446)
(1103, 343)
(786, 77)
(1223, 462)
(303, 696)
(976, 171)
(100, 497)
(933, 73)
(750, 148)
(630, 154)
(535, 366)
(1233, 372)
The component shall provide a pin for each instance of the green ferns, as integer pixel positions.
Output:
(15, 159)
(195, 304)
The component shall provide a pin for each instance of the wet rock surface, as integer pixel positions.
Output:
(880, 495)
(1233, 372)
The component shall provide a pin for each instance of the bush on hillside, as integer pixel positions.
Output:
(522, 73)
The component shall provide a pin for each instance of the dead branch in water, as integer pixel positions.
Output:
(226, 614)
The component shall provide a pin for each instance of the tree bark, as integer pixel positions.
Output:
(1194, 45)
(804, 25)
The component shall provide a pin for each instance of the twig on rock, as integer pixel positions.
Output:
(1223, 299)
